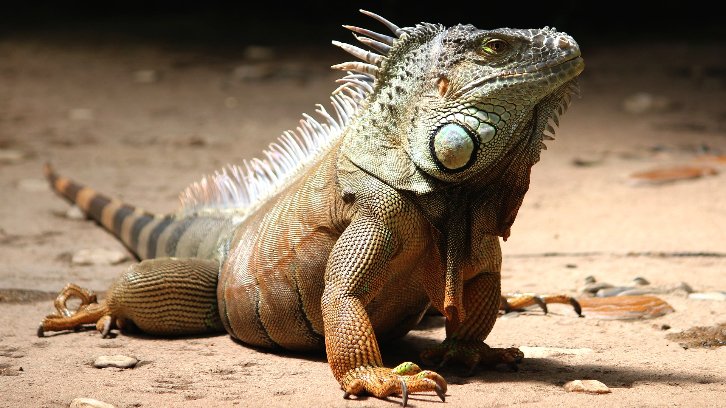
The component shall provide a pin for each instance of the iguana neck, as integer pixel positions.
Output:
(375, 140)
(492, 201)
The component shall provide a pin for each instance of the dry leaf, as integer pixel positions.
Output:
(624, 307)
(670, 174)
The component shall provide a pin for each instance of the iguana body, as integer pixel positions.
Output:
(352, 227)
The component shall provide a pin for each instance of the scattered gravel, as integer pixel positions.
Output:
(587, 386)
(117, 361)
(89, 403)
(98, 256)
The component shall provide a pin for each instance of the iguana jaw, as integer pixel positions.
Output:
(552, 70)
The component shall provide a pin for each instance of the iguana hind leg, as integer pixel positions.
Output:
(519, 301)
(165, 296)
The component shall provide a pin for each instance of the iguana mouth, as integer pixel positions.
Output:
(573, 65)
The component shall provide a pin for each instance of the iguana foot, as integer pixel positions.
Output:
(519, 301)
(89, 312)
(471, 353)
(381, 382)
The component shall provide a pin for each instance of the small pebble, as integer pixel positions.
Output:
(89, 403)
(588, 161)
(75, 213)
(257, 53)
(594, 287)
(80, 114)
(683, 286)
(117, 361)
(146, 76)
(33, 185)
(251, 72)
(721, 296)
(639, 280)
(613, 291)
(544, 352)
(10, 371)
(643, 102)
(640, 292)
(11, 156)
(193, 140)
(98, 256)
(231, 102)
(588, 386)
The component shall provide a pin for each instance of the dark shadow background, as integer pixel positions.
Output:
(234, 24)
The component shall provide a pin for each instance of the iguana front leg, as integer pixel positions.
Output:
(357, 269)
(465, 340)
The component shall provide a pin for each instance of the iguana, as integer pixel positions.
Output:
(355, 223)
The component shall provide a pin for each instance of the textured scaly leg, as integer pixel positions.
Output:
(518, 301)
(165, 296)
(359, 260)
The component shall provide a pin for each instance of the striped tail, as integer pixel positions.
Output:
(137, 229)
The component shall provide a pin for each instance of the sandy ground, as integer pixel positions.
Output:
(143, 136)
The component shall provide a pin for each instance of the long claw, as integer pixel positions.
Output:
(106, 326)
(505, 306)
(539, 300)
(440, 393)
(346, 395)
(40, 332)
(404, 393)
(576, 305)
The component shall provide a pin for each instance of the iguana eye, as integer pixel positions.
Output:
(453, 147)
(494, 46)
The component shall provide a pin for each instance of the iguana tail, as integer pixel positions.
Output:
(136, 228)
(174, 294)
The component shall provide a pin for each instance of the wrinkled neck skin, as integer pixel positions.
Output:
(489, 202)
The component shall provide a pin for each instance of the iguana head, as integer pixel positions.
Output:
(485, 92)
(449, 105)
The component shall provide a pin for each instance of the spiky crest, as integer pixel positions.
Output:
(239, 187)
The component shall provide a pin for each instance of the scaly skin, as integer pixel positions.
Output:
(401, 211)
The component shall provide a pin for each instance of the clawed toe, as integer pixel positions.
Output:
(472, 354)
(88, 312)
(382, 382)
(404, 392)
(519, 301)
